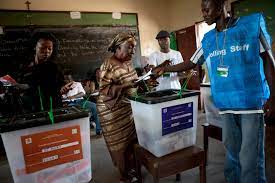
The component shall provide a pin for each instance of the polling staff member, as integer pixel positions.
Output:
(233, 53)
(170, 80)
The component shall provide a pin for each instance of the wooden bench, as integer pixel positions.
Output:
(170, 164)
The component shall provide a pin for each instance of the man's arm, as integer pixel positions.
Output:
(267, 55)
(76, 96)
(80, 91)
(197, 58)
(184, 66)
(269, 69)
(268, 58)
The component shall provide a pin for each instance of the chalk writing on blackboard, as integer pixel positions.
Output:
(80, 48)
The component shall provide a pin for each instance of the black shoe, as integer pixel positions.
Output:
(98, 133)
(91, 126)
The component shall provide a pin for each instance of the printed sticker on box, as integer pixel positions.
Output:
(176, 118)
(51, 148)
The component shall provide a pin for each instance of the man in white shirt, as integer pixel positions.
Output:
(75, 91)
(169, 80)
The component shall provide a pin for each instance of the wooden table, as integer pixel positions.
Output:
(211, 131)
(170, 164)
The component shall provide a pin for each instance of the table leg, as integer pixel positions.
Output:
(205, 140)
(178, 177)
(138, 168)
(203, 172)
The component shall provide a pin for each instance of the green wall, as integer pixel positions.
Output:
(41, 18)
(267, 7)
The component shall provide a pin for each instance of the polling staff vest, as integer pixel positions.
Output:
(245, 86)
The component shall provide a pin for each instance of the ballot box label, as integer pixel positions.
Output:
(176, 118)
(51, 148)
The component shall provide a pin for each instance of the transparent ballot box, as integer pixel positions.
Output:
(165, 121)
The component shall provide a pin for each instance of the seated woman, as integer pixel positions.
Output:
(73, 94)
(117, 77)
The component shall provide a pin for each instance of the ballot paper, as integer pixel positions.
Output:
(7, 80)
(95, 94)
(145, 76)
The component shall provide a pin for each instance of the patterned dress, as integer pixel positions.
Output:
(115, 112)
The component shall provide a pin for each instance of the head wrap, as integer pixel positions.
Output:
(119, 40)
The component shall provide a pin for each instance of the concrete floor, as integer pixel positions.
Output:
(104, 171)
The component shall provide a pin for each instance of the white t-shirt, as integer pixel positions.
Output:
(157, 58)
(76, 88)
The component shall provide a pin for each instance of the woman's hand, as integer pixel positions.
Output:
(148, 67)
(158, 71)
(130, 84)
(152, 82)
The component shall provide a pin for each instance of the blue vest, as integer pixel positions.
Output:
(245, 87)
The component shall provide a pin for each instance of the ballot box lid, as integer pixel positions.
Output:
(41, 118)
(163, 96)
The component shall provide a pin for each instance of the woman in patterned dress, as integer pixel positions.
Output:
(117, 77)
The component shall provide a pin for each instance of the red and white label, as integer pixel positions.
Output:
(51, 148)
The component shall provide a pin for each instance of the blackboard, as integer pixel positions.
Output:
(81, 48)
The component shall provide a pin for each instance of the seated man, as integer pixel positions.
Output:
(73, 94)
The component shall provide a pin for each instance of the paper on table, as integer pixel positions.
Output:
(95, 94)
(145, 76)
